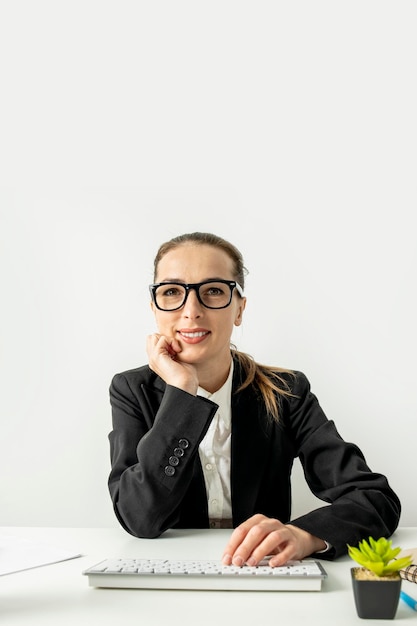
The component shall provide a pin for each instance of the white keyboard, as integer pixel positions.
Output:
(205, 574)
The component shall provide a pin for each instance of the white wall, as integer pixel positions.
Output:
(286, 127)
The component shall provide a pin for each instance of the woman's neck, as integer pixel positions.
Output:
(212, 378)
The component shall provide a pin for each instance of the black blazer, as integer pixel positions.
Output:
(151, 420)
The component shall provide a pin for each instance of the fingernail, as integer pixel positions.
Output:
(251, 561)
(238, 561)
(227, 559)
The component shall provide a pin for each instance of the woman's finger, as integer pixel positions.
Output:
(253, 540)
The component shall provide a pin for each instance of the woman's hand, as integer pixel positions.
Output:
(262, 536)
(163, 360)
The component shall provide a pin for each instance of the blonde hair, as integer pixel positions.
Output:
(265, 379)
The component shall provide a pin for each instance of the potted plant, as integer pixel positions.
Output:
(377, 581)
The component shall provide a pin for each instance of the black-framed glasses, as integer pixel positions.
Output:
(213, 294)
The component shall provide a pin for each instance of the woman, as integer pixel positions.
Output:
(204, 436)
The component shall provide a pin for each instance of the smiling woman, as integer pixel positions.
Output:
(204, 436)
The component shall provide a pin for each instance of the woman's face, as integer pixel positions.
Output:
(204, 334)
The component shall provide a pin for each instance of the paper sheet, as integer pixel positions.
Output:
(17, 554)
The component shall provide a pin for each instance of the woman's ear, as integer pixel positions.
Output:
(239, 312)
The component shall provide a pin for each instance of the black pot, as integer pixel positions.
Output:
(376, 599)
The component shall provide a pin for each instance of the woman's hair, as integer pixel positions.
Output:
(205, 239)
(264, 378)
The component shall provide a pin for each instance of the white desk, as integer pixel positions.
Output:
(59, 594)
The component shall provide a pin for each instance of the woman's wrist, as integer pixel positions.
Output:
(313, 544)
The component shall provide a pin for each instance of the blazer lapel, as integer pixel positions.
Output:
(250, 448)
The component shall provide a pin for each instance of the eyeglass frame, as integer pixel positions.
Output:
(196, 286)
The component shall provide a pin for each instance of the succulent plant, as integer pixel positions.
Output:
(378, 556)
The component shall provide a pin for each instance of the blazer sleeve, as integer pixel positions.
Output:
(360, 502)
(153, 456)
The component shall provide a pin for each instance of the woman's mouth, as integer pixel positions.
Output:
(194, 336)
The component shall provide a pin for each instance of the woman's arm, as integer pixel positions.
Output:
(153, 455)
(360, 501)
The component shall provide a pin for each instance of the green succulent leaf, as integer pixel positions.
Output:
(377, 568)
(378, 556)
(398, 564)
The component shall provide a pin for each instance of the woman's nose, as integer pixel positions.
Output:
(192, 306)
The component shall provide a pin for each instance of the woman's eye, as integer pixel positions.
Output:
(214, 292)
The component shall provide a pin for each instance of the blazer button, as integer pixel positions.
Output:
(169, 470)
(178, 452)
(173, 460)
(183, 443)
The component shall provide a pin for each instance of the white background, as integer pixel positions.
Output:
(288, 128)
